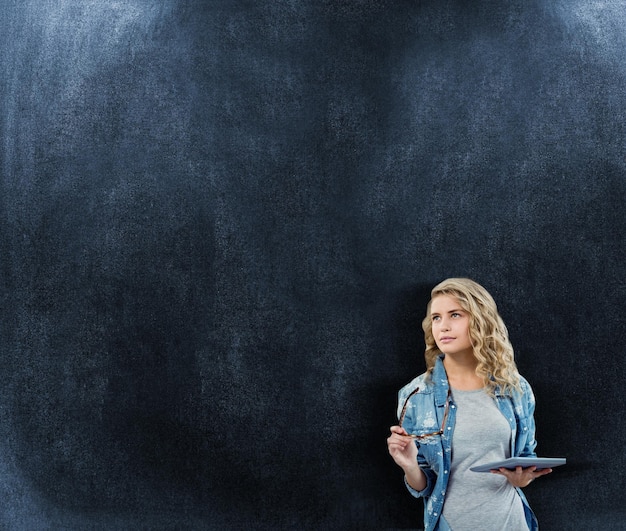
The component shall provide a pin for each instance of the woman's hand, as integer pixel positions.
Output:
(402, 449)
(404, 452)
(521, 477)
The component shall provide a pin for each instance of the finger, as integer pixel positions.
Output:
(398, 429)
(399, 438)
(510, 473)
(396, 442)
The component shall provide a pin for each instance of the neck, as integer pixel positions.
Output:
(460, 364)
(461, 372)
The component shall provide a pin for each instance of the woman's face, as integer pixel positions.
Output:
(450, 324)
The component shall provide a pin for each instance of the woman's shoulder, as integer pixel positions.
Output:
(525, 392)
(524, 385)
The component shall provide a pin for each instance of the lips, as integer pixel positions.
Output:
(446, 339)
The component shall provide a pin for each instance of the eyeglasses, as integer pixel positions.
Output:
(424, 435)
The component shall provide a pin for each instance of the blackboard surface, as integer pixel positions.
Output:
(219, 225)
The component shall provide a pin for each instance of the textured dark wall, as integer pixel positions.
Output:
(220, 221)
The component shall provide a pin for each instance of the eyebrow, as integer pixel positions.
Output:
(451, 311)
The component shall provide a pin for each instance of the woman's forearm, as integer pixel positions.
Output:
(415, 477)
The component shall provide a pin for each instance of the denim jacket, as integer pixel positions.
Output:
(424, 414)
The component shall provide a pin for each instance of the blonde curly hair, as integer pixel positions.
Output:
(488, 334)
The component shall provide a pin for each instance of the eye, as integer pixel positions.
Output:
(436, 318)
(456, 314)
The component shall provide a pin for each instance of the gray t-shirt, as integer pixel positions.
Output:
(476, 500)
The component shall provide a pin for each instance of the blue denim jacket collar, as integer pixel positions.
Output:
(440, 378)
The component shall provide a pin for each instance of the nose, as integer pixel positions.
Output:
(444, 324)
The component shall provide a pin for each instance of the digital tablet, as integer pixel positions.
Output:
(524, 462)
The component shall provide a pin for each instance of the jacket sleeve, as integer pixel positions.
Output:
(431, 477)
(525, 413)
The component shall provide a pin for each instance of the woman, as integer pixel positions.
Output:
(470, 407)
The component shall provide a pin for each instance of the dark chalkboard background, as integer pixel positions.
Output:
(219, 224)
